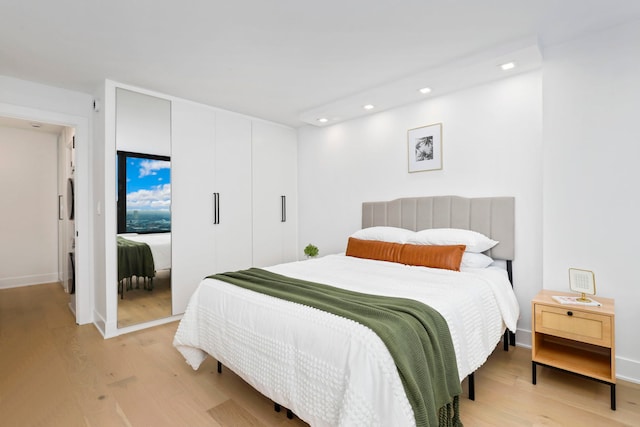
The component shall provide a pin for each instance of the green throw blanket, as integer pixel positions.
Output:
(416, 335)
(134, 259)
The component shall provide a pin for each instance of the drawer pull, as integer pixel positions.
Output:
(569, 313)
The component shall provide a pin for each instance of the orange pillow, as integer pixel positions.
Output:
(374, 249)
(445, 257)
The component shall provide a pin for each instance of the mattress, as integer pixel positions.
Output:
(330, 370)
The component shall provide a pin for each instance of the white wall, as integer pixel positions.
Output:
(591, 204)
(103, 176)
(29, 216)
(491, 147)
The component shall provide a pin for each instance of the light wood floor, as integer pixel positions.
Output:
(140, 305)
(55, 373)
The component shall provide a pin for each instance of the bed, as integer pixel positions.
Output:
(330, 370)
(140, 256)
(159, 244)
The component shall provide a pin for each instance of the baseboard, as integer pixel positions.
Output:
(628, 370)
(523, 338)
(99, 323)
(145, 325)
(36, 279)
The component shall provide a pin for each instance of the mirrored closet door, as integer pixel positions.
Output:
(143, 170)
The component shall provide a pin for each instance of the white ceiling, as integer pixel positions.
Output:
(287, 60)
(30, 125)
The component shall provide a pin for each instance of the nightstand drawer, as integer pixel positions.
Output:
(573, 324)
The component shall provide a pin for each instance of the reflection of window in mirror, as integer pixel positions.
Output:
(144, 193)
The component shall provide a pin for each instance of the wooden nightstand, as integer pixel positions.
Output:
(574, 338)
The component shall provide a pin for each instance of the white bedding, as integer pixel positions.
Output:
(160, 245)
(330, 370)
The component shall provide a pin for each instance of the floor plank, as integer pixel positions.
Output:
(231, 414)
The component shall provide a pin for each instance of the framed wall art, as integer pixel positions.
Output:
(424, 145)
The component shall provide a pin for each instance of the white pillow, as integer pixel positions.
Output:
(473, 260)
(384, 234)
(475, 242)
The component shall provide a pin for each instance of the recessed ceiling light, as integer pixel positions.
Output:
(323, 120)
(508, 66)
(425, 90)
(368, 107)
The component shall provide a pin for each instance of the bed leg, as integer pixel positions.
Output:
(289, 414)
(276, 407)
(219, 367)
(506, 340)
(472, 387)
(512, 338)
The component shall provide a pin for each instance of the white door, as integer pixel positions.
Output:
(274, 150)
(192, 197)
(233, 189)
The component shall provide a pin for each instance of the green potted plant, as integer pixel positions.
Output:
(311, 251)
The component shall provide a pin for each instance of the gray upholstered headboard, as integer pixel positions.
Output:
(491, 216)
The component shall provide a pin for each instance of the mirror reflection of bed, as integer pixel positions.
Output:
(144, 277)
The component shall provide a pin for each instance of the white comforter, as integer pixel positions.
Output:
(330, 370)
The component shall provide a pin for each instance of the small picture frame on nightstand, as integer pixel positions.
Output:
(583, 282)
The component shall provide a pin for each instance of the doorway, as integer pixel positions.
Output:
(37, 243)
(81, 304)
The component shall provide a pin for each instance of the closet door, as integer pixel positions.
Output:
(192, 208)
(274, 149)
(233, 189)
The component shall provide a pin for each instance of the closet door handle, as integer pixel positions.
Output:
(283, 201)
(216, 208)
